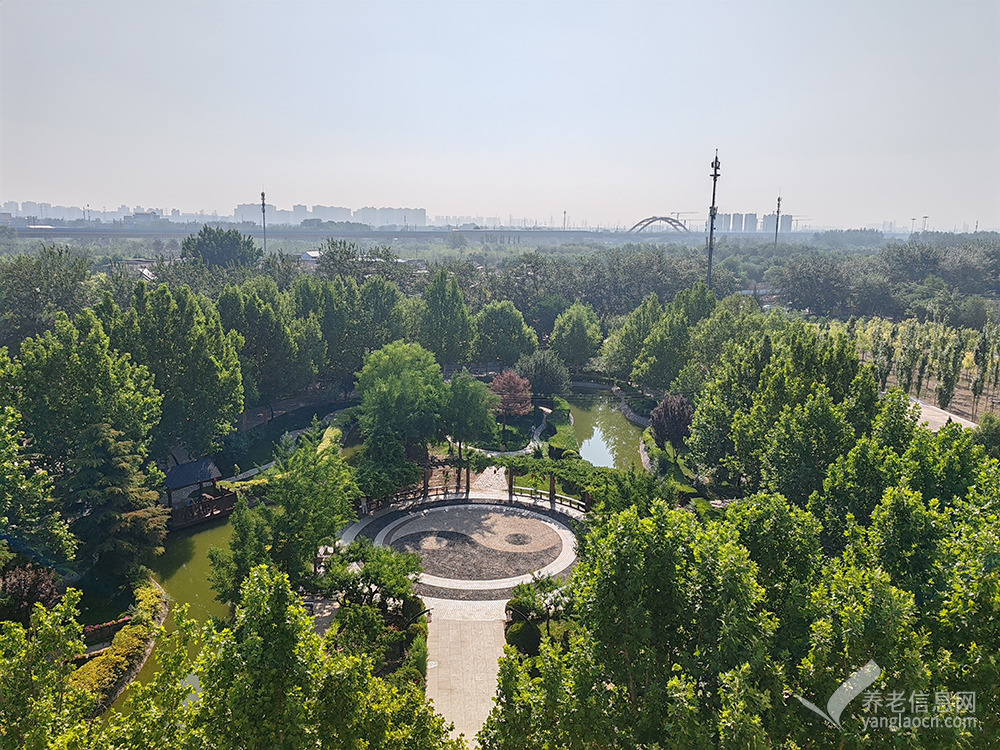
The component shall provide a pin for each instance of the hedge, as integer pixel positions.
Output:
(103, 676)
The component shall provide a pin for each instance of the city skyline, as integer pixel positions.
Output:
(859, 114)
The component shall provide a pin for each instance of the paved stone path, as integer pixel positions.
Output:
(937, 418)
(464, 644)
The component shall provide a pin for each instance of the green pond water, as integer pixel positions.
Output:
(182, 570)
(605, 435)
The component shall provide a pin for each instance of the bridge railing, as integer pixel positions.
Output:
(417, 495)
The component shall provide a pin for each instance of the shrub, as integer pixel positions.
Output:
(525, 637)
(412, 606)
(418, 654)
(407, 675)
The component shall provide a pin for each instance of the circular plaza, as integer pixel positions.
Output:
(475, 550)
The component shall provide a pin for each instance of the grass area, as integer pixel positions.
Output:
(669, 463)
(562, 436)
(518, 433)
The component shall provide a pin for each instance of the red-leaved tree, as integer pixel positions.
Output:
(515, 396)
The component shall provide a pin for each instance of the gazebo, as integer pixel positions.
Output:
(201, 472)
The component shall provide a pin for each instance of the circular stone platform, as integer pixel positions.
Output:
(479, 551)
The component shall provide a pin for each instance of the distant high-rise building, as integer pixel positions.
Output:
(768, 223)
(367, 215)
(737, 223)
(299, 212)
(331, 213)
(11, 208)
(723, 222)
(251, 212)
(786, 223)
(749, 222)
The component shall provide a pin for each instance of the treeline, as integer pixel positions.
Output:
(842, 532)
(951, 279)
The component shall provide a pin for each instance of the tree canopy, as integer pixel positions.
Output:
(221, 247)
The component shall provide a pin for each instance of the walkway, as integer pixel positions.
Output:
(937, 418)
(465, 641)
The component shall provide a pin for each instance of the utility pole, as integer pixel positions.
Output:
(711, 217)
(263, 219)
(777, 222)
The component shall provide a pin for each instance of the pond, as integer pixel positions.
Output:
(182, 570)
(605, 435)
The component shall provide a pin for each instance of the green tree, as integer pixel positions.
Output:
(403, 395)
(221, 247)
(34, 288)
(313, 492)
(270, 360)
(266, 680)
(446, 328)
(69, 380)
(248, 548)
(545, 372)
(469, 416)
(37, 703)
(118, 520)
(381, 318)
(663, 353)
(576, 335)
(853, 486)
(623, 346)
(501, 335)
(29, 514)
(259, 677)
(195, 365)
(856, 615)
(805, 441)
(784, 542)
(349, 260)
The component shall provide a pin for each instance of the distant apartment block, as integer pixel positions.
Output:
(723, 222)
(736, 225)
(749, 222)
(331, 213)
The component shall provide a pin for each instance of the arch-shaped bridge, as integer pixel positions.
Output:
(668, 220)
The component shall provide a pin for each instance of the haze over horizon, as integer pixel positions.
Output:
(858, 113)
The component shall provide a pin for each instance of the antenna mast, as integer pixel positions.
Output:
(263, 219)
(777, 222)
(711, 217)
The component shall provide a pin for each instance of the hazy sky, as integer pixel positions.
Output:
(859, 112)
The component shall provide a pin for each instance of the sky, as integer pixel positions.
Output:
(858, 112)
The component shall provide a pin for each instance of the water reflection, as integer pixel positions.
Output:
(605, 435)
